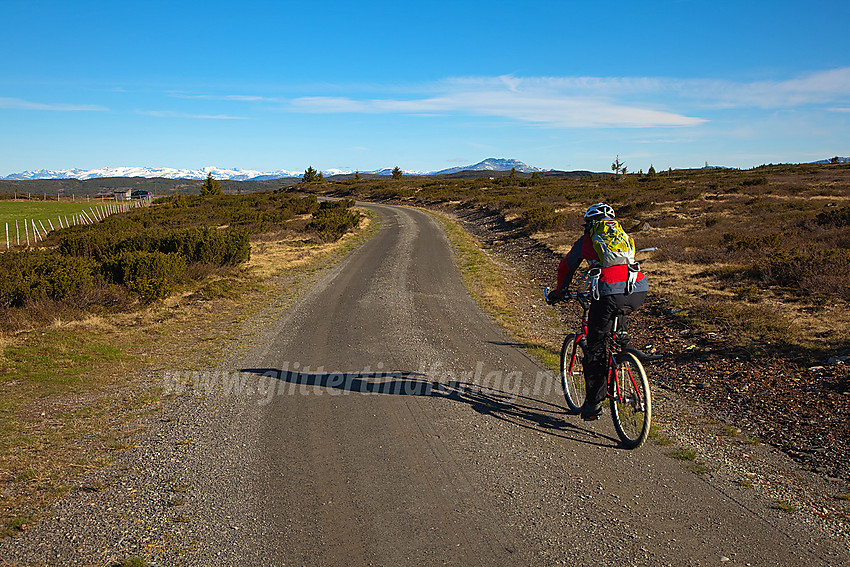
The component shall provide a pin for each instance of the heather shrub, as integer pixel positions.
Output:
(334, 219)
(819, 272)
(836, 218)
(152, 275)
(32, 275)
(541, 218)
(208, 245)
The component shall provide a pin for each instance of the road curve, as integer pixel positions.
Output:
(404, 428)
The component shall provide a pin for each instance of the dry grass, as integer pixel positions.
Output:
(271, 253)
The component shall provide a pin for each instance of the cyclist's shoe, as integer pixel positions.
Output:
(644, 357)
(591, 411)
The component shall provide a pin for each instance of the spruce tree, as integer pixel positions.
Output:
(310, 175)
(211, 186)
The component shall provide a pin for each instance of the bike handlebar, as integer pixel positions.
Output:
(573, 295)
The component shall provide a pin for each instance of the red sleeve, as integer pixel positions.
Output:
(570, 263)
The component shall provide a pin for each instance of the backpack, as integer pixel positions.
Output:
(612, 244)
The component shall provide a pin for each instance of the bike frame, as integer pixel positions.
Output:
(614, 390)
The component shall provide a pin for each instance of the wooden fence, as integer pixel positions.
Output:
(21, 235)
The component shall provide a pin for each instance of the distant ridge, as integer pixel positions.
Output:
(151, 172)
(237, 174)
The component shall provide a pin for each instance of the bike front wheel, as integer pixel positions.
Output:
(631, 403)
(572, 372)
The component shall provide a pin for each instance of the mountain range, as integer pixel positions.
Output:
(237, 174)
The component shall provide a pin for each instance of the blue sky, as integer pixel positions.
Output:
(422, 85)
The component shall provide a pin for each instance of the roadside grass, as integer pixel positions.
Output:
(135, 561)
(785, 506)
(480, 274)
(487, 284)
(684, 454)
(730, 431)
(71, 390)
(657, 435)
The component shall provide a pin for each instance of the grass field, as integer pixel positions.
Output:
(10, 211)
(44, 211)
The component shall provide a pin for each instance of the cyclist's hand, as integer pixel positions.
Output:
(554, 297)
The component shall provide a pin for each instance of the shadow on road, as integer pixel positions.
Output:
(522, 410)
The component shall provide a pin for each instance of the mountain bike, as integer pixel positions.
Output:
(628, 386)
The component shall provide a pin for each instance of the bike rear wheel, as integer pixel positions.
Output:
(572, 372)
(631, 403)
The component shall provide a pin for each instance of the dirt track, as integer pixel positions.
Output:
(385, 420)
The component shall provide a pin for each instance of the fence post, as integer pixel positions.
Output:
(17, 233)
(27, 233)
(51, 225)
(43, 229)
(7, 236)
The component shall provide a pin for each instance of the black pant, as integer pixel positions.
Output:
(600, 321)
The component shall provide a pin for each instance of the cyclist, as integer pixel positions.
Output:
(617, 289)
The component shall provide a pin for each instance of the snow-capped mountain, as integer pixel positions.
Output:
(237, 174)
(164, 172)
(839, 160)
(492, 164)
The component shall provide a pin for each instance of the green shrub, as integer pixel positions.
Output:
(333, 219)
(737, 241)
(208, 245)
(837, 218)
(32, 275)
(198, 245)
(820, 272)
(541, 218)
(152, 275)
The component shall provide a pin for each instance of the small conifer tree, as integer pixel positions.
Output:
(310, 175)
(211, 186)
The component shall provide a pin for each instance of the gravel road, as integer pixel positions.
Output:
(380, 418)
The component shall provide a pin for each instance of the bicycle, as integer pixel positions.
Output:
(628, 386)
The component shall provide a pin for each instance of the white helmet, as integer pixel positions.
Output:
(597, 212)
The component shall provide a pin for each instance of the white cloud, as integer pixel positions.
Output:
(20, 104)
(567, 102)
(526, 105)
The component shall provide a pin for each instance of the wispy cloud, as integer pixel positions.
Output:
(528, 105)
(173, 114)
(19, 104)
(560, 102)
(823, 87)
